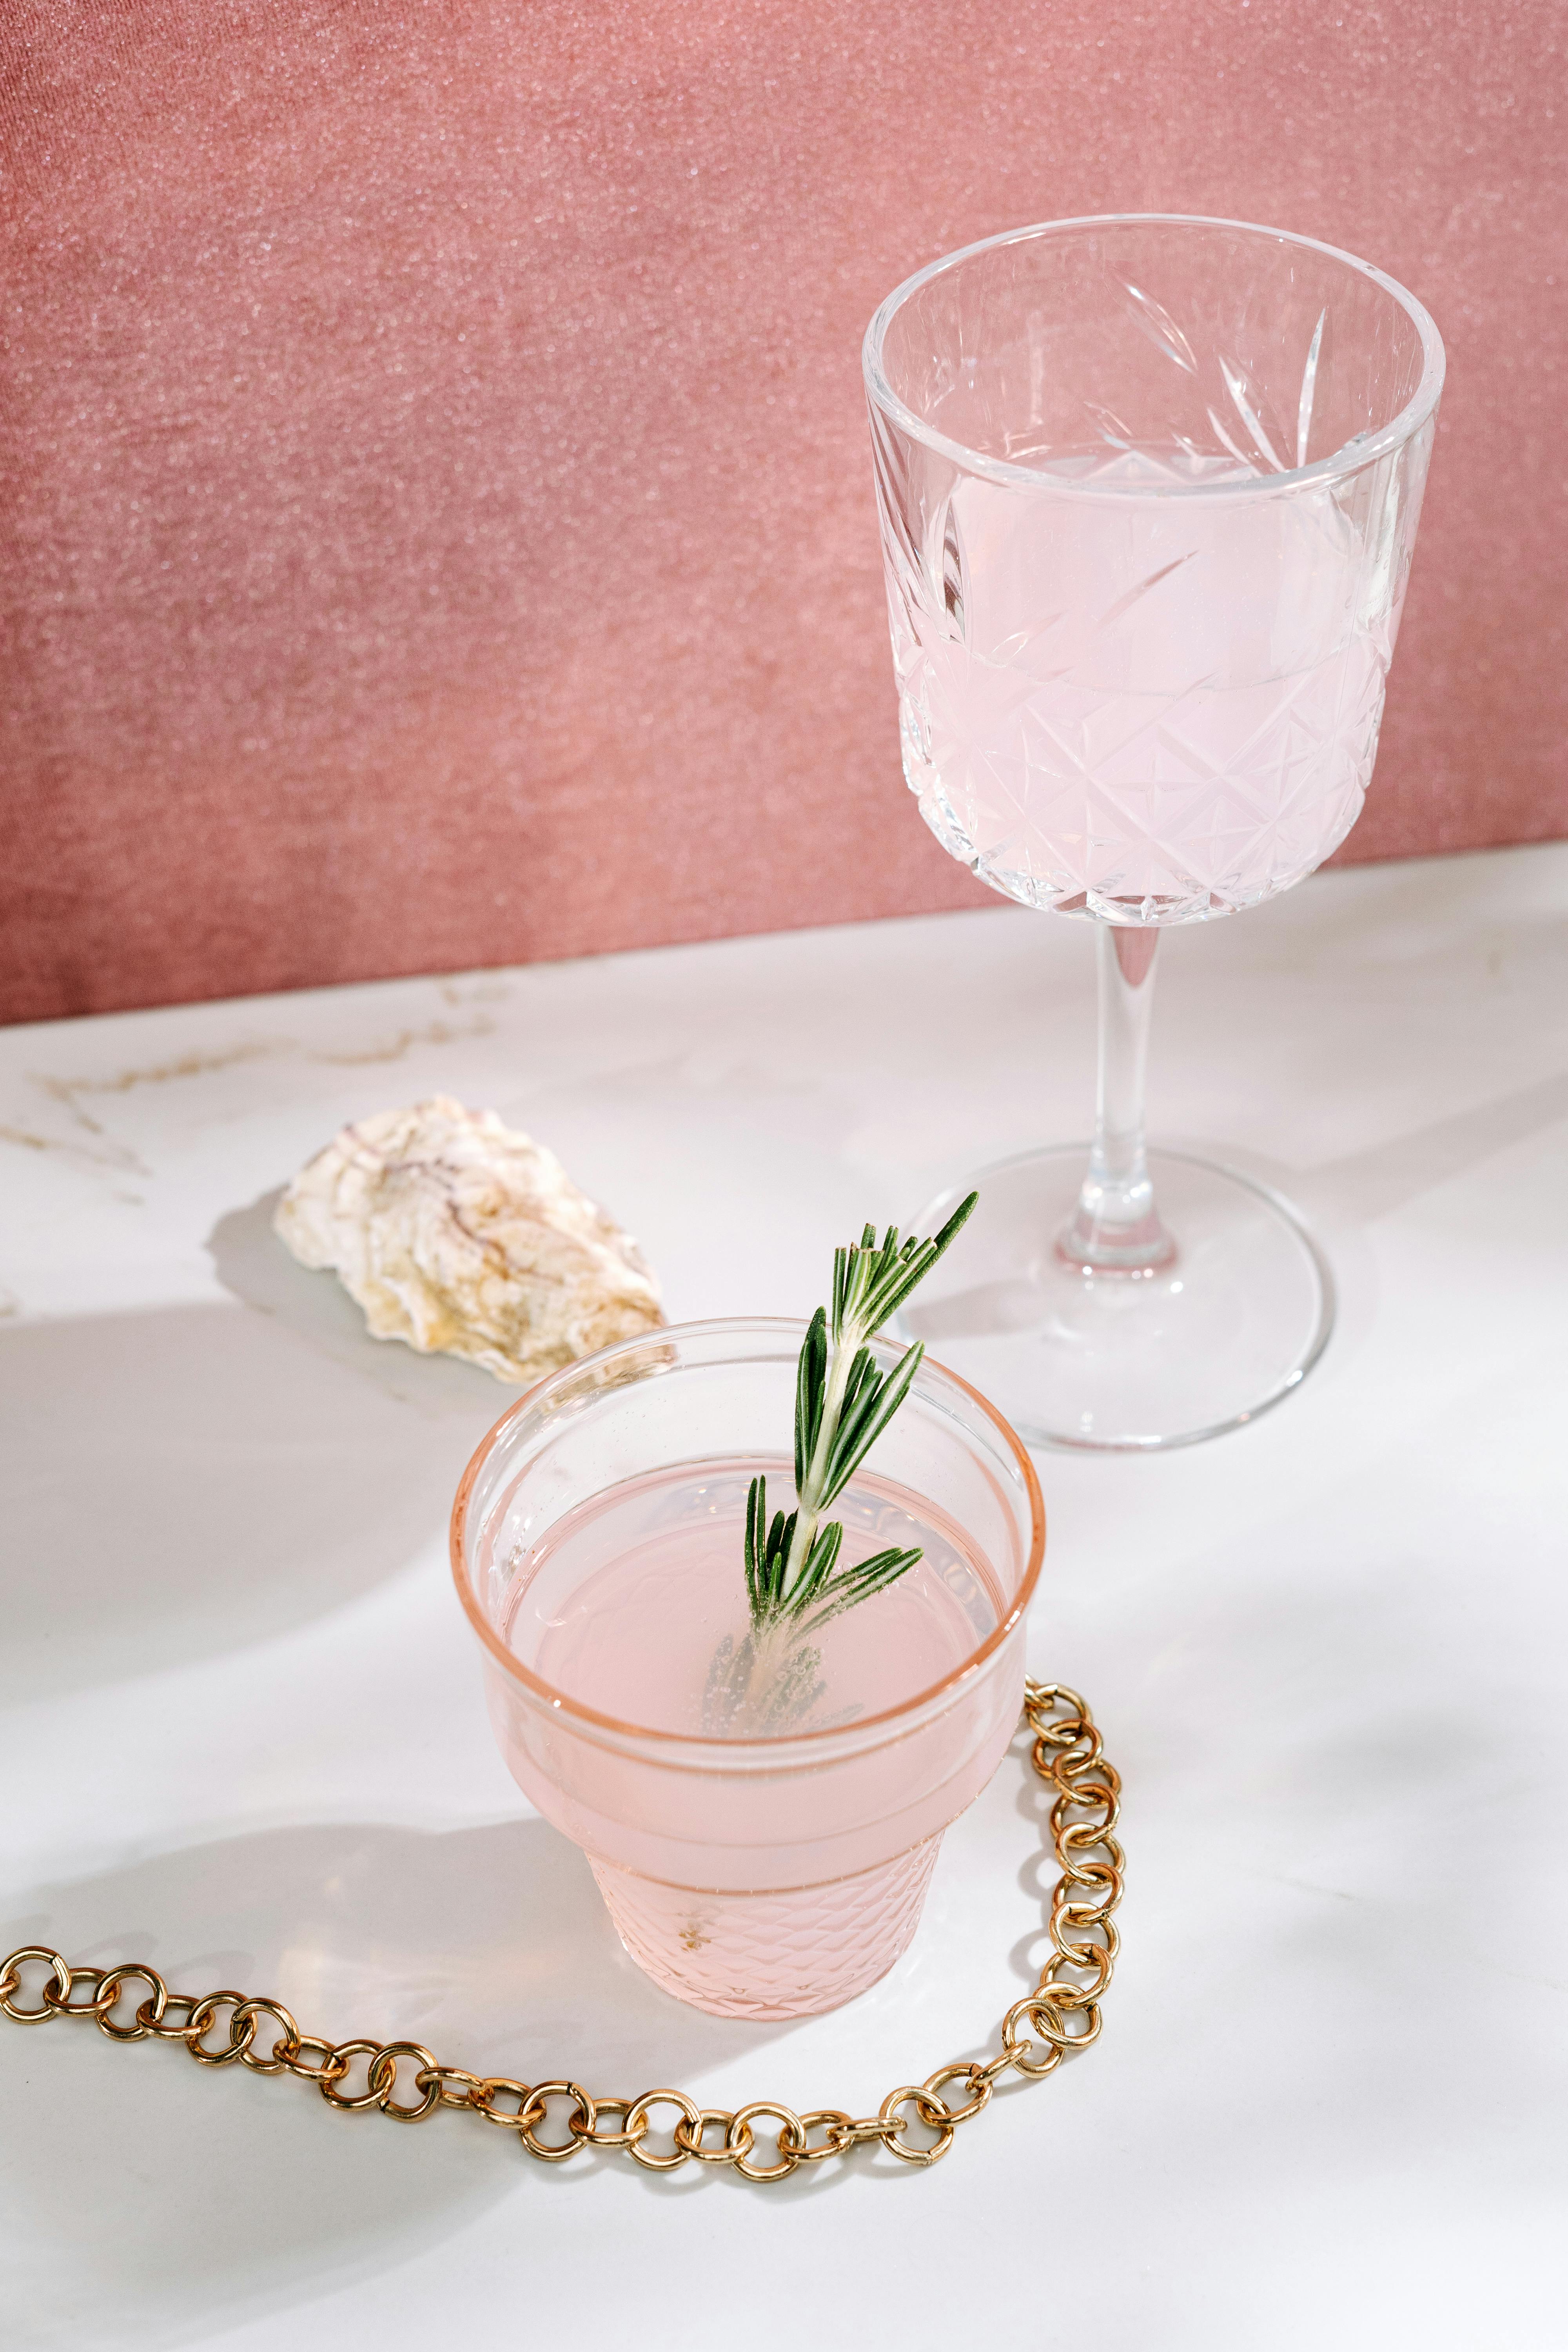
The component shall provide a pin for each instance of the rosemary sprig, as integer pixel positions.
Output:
(843, 1403)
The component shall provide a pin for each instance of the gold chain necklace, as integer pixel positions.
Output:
(1035, 2034)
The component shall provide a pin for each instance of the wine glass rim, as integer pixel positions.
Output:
(708, 1746)
(1355, 454)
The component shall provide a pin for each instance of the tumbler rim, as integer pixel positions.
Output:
(888, 1722)
(1350, 458)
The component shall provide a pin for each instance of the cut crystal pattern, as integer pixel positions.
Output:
(779, 1955)
(1144, 705)
(1147, 806)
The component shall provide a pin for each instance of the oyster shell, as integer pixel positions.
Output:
(456, 1233)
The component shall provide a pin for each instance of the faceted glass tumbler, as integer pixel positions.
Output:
(761, 1877)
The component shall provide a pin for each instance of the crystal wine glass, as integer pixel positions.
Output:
(1148, 489)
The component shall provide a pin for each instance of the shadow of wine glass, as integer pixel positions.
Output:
(489, 1946)
(1367, 1185)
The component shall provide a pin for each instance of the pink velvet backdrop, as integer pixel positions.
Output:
(436, 526)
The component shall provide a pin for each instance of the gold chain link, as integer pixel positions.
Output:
(1062, 2015)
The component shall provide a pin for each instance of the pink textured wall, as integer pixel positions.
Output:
(436, 524)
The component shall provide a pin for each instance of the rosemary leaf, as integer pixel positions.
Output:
(856, 1441)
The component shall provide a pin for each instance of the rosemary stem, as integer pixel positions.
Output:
(791, 1562)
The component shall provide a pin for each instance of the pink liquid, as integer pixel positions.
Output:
(765, 1875)
(624, 1601)
(1150, 711)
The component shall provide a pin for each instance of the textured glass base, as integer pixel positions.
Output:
(1124, 1362)
(791, 1954)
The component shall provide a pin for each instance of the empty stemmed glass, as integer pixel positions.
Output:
(1148, 489)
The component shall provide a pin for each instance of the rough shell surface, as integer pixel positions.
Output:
(456, 1232)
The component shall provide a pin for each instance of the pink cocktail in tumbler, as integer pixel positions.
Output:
(597, 1546)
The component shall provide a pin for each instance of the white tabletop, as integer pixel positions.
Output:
(244, 1736)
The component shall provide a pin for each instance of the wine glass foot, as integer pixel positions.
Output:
(1125, 1362)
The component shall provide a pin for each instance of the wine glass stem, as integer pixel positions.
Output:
(1117, 1228)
